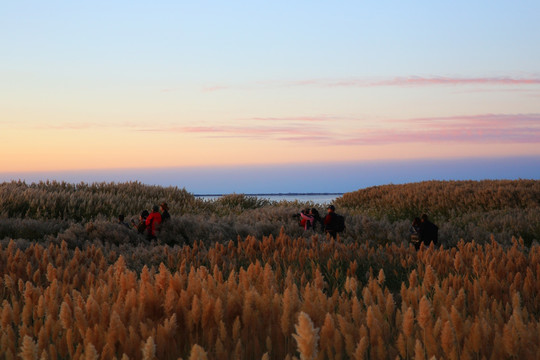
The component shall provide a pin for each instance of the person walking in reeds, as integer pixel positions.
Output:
(306, 219)
(317, 219)
(141, 226)
(414, 231)
(333, 223)
(165, 216)
(121, 221)
(429, 232)
(153, 222)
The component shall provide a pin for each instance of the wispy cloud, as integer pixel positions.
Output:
(440, 80)
(451, 135)
(78, 126)
(328, 130)
(415, 81)
(304, 137)
(508, 82)
(239, 131)
(526, 91)
(481, 120)
(483, 128)
(215, 88)
(71, 126)
(320, 118)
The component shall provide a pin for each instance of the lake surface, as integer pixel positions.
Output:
(315, 198)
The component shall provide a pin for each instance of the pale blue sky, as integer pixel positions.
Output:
(168, 42)
(301, 38)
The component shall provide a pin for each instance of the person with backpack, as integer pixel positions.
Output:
(153, 222)
(333, 223)
(141, 226)
(429, 232)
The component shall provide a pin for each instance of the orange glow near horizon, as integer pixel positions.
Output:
(56, 150)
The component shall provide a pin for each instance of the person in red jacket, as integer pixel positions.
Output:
(153, 222)
(306, 219)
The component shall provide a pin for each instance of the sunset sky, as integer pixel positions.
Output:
(118, 90)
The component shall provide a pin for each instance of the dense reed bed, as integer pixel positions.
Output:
(444, 199)
(242, 300)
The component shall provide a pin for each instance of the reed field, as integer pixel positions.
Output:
(237, 278)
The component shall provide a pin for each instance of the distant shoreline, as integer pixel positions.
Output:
(271, 194)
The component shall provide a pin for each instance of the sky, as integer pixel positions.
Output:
(225, 96)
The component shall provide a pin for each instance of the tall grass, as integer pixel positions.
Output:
(276, 297)
(443, 199)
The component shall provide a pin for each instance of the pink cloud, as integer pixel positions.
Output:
(451, 135)
(70, 126)
(298, 118)
(215, 88)
(239, 131)
(416, 81)
(493, 128)
(481, 120)
(325, 130)
(483, 128)
(399, 81)
(307, 138)
(526, 91)
(441, 80)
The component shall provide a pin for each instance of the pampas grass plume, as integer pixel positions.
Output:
(90, 352)
(424, 313)
(419, 351)
(306, 337)
(198, 353)
(29, 349)
(408, 322)
(149, 349)
(361, 348)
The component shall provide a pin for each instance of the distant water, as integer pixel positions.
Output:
(315, 198)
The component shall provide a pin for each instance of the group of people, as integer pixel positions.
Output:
(149, 223)
(424, 232)
(331, 224)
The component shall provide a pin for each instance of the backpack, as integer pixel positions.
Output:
(338, 223)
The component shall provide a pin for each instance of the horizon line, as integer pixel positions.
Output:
(271, 194)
